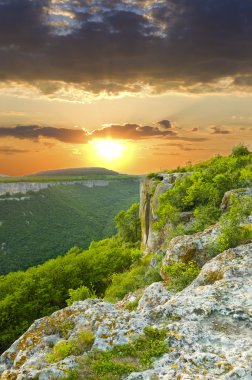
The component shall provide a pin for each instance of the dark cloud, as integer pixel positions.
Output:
(117, 45)
(165, 124)
(34, 132)
(79, 136)
(180, 146)
(131, 131)
(218, 131)
(10, 150)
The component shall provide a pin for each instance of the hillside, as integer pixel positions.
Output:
(37, 226)
(85, 171)
(179, 308)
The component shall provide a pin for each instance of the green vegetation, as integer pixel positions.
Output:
(51, 221)
(181, 274)
(128, 224)
(123, 359)
(75, 346)
(112, 267)
(26, 296)
(233, 229)
(79, 294)
(138, 276)
(201, 192)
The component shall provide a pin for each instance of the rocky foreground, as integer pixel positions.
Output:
(208, 326)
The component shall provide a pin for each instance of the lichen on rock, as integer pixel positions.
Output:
(208, 327)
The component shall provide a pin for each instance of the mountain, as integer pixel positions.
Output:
(85, 171)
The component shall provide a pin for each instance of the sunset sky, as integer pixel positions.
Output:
(131, 85)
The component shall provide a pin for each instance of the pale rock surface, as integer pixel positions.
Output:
(24, 187)
(208, 325)
(194, 247)
(227, 199)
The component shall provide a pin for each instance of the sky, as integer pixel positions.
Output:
(132, 85)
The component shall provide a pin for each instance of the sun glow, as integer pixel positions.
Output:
(108, 149)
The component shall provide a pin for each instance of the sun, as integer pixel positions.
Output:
(108, 149)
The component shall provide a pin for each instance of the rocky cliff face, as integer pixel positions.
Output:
(24, 187)
(208, 327)
(150, 190)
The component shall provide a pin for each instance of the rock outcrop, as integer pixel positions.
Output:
(227, 199)
(194, 247)
(150, 190)
(24, 187)
(208, 326)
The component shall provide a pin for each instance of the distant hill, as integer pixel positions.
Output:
(4, 175)
(85, 171)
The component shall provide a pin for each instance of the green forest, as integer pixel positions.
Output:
(114, 266)
(48, 223)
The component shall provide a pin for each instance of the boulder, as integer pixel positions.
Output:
(194, 247)
(227, 199)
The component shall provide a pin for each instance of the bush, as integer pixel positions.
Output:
(240, 150)
(203, 190)
(181, 274)
(137, 277)
(124, 359)
(233, 230)
(75, 346)
(79, 294)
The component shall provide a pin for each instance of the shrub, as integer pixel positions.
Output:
(233, 231)
(79, 294)
(181, 274)
(75, 346)
(203, 190)
(60, 351)
(137, 277)
(240, 150)
(124, 359)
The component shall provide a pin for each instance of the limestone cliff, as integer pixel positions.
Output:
(150, 190)
(24, 187)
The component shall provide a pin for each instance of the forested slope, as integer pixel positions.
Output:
(38, 226)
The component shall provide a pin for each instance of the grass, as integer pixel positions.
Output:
(75, 346)
(124, 359)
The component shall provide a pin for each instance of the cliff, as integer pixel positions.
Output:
(24, 187)
(150, 190)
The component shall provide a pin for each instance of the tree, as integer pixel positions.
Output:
(240, 150)
(128, 224)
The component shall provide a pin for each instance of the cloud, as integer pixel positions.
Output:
(131, 132)
(218, 131)
(34, 132)
(127, 45)
(165, 124)
(180, 146)
(10, 150)
(80, 136)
